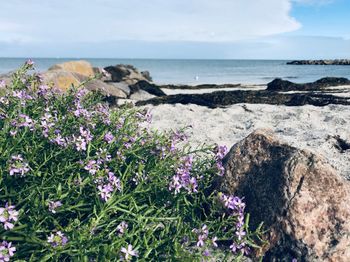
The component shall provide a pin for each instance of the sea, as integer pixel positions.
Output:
(192, 72)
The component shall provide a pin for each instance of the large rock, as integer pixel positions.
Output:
(80, 67)
(63, 79)
(106, 89)
(303, 202)
(126, 73)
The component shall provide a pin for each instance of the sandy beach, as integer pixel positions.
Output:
(305, 127)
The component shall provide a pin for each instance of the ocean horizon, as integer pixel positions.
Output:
(203, 71)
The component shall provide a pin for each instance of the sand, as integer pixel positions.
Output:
(305, 127)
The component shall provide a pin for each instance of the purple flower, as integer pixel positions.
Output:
(92, 167)
(107, 185)
(221, 151)
(202, 235)
(128, 252)
(43, 90)
(175, 184)
(80, 144)
(8, 214)
(86, 134)
(57, 239)
(53, 205)
(24, 121)
(103, 156)
(206, 253)
(103, 111)
(59, 140)
(2, 83)
(146, 116)
(18, 166)
(30, 62)
(240, 234)
(105, 191)
(121, 228)
(183, 178)
(114, 181)
(234, 247)
(109, 137)
(6, 251)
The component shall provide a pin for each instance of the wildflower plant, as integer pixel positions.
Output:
(81, 181)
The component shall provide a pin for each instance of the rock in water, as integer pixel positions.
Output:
(303, 202)
(80, 67)
(320, 62)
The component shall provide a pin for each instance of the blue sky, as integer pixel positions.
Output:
(223, 29)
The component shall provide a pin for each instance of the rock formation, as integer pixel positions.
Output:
(320, 62)
(127, 74)
(303, 203)
(124, 81)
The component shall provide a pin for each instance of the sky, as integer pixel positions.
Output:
(199, 29)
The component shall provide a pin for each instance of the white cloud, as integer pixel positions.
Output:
(314, 2)
(151, 20)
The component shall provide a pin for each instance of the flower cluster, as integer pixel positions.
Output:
(6, 251)
(107, 185)
(203, 240)
(8, 215)
(57, 239)
(220, 153)
(183, 178)
(17, 166)
(236, 207)
(109, 137)
(24, 121)
(117, 178)
(47, 122)
(22, 95)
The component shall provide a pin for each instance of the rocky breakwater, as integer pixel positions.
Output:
(320, 62)
(276, 93)
(116, 82)
(302, 201)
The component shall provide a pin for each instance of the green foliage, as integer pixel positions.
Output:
(78, 172)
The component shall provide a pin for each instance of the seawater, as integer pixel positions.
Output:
(170, 71)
